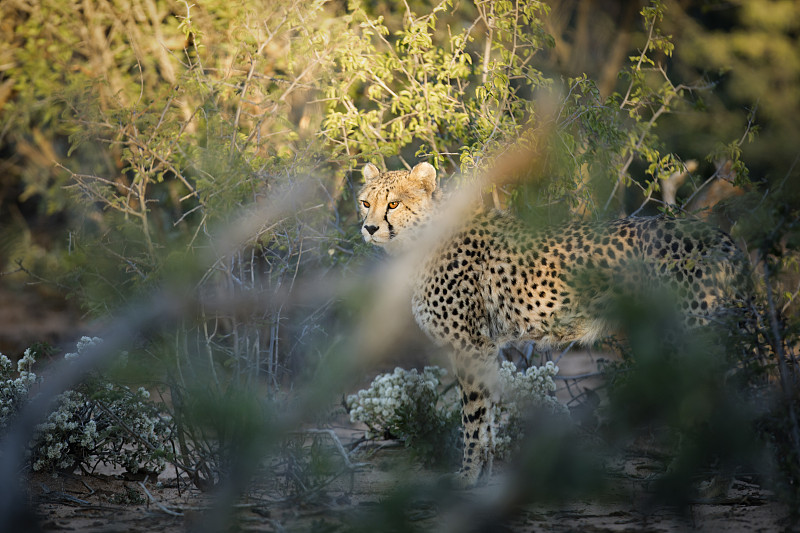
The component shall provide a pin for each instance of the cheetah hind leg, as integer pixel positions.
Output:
(478, 437)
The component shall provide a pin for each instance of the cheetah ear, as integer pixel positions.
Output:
(370, 172)
(425, 174)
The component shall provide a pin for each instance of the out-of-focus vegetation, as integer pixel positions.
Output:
(155, 121)
(100, 422)
(141, 141)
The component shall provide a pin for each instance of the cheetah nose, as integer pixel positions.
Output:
(371, 229)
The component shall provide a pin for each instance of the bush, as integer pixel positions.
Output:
(426, 415)
(98, 422)
(413, 407)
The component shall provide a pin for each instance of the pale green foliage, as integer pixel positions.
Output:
(97, 422)
(176, 116)
(204, 108)
(600, 138)
(429, 87)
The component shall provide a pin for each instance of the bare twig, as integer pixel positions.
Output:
(339, 447)
(158, 503)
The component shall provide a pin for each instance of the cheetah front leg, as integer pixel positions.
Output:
(476, 373)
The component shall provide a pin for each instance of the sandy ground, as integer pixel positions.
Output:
(110, 503)
(361, 500)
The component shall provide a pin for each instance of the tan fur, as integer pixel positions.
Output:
(494, 280)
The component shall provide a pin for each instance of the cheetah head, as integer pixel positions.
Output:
(393, 203)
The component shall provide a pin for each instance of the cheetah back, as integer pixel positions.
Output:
(497, 281)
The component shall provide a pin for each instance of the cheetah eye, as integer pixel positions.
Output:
(365, 203)
(392, 205)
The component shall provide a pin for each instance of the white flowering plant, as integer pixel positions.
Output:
(522, 393)
(14, 388)
(97, 422)
(411, 406)
(418, 409)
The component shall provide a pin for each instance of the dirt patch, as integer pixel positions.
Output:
(111, 503)
(103, 503)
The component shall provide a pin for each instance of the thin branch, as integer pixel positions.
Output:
(159, 504)
(339, 447)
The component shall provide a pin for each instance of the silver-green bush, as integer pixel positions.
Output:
(97, 422)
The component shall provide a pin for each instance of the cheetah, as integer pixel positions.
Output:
(494, 279)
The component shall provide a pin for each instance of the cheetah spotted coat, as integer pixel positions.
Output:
(495, 280)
